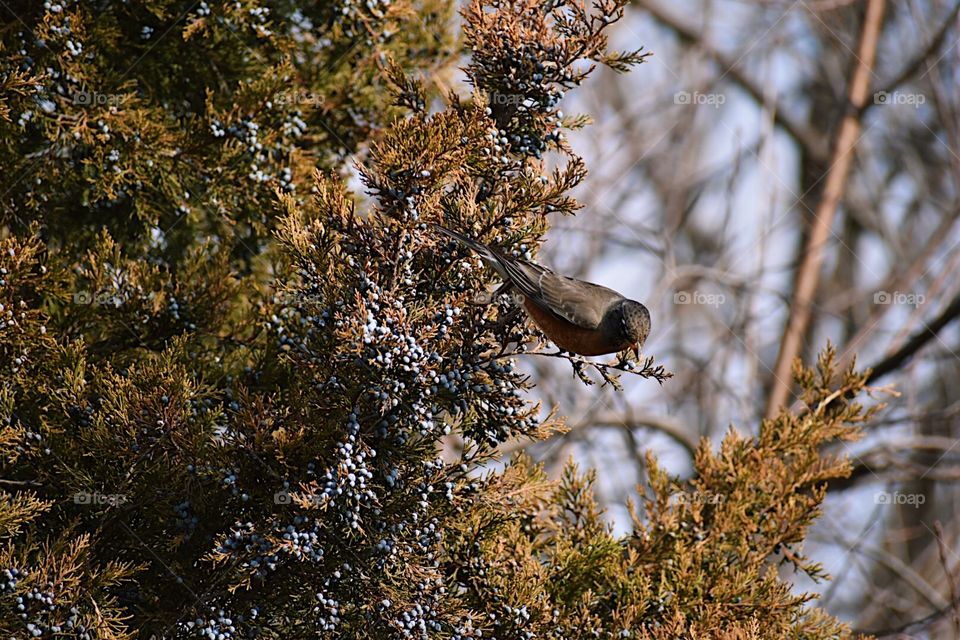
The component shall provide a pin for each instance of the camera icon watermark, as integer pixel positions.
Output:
(697, 98)
(699, 298)
(899, 297)
(282, 497)
(96, 498)
(898, 498)
(899, 97)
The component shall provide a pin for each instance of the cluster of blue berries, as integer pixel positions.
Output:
(9, 578)
(265, 163)
(263, 554)
(302, 539)
(328, 610)
(511, 621)
(257, 551)
(186, 520)
(359, 19)
(38, 610)
(345, 487)
(422, 619)
(218, 626)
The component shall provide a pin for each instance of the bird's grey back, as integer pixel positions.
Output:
(582, 303)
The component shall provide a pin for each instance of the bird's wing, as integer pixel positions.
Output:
(582, 303)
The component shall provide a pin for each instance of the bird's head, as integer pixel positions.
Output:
(635, 323)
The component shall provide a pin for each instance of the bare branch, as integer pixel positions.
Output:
(809, 140)
(808, 275)
(915, 343)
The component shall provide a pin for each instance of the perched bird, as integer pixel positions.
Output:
(581, 317)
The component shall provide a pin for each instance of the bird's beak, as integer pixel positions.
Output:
(636, 349)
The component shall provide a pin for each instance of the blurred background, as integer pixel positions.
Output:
(709, 173)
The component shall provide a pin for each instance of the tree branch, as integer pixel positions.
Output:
(915, 65)
(803, 136)
(670, 427)
(808, 276)
(915, 343)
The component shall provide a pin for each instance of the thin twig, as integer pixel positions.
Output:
(951, 582)
(914, 65)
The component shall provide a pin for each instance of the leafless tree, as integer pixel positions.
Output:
(782, 173)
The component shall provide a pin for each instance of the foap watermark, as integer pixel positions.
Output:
(699, 99)
(296, 298)
(698, 497)
(97, 498)
(285, 497)
(298, 97)
(896, 497)
(899, 97)
(97, 99)
(102, 299)
(899, 297)
(512, 100)
(494, 297)
(699, 298)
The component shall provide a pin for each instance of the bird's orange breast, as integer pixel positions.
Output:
(566, 335)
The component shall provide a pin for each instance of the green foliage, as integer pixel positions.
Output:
(187, 116)
(225, 388)
(703, 557)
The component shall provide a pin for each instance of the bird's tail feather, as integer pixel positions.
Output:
(485, 252)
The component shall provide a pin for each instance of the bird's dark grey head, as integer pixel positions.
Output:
(634, 322)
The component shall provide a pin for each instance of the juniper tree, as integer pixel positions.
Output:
(227, 377)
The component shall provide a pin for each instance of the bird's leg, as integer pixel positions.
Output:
(502, 328)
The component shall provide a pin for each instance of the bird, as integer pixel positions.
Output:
(578, 316)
